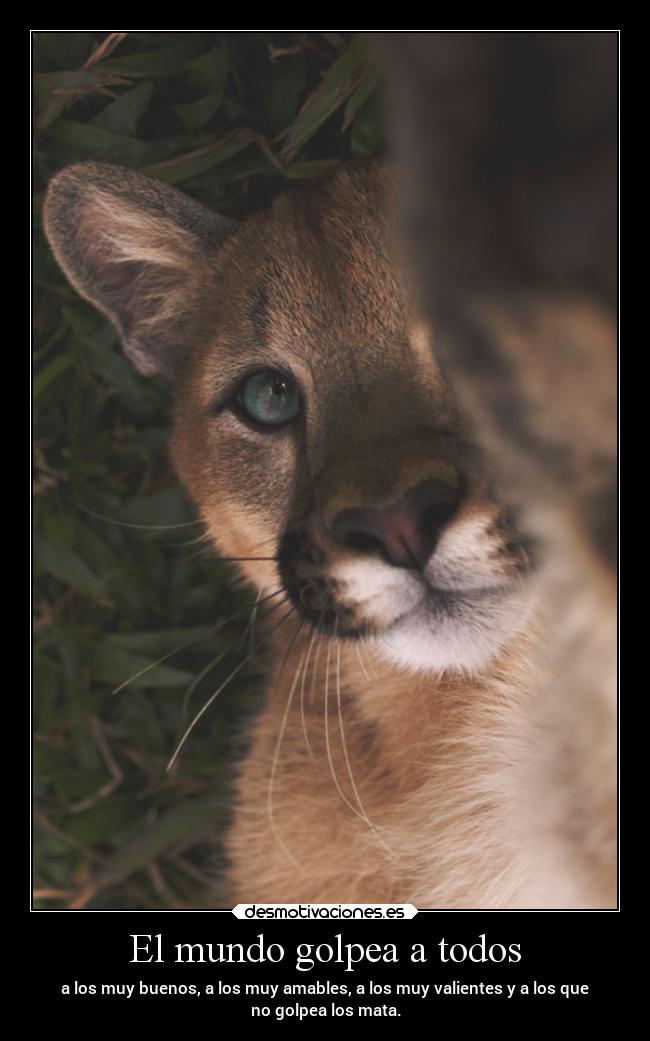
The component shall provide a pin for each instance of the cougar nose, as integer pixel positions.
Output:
(405, 534)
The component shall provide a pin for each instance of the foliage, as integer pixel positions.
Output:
(122, 575)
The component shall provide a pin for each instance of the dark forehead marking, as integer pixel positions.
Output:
(258, 313)
(334, 272)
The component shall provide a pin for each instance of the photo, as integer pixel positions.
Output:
(325, 453)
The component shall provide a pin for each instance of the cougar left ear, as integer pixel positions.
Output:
(138, 250)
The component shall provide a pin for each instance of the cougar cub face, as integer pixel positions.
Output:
(312, 426)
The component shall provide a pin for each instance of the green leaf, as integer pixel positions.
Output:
(169, 507)
(46, 686)
(161, 641)
(51, 112)
(366, 133)
(102, 560)
(75, 685)
(336, 86)
(123, 115)
(207, 73)
(287, 85)
(66, 49)
(109, 665)
(51, 373)
(195, 114)
(102, 822)
(163, 62)
(185, 822)
(69, 568)
(73, 783)
(85, 139)
(201, 159)
(77, 82)
(106, 361)
(360, 94)
(80, 320)
(56, 92)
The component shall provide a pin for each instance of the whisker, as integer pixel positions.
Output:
(302, 694)
(346, 756)
(208, 551)
(204, 551)
(207, 538)
(371, 663)
(278, 746)
(248, 624)
(363, 668)
(361, 813)
(197, 679)
(254, 619)
(164, 657)
(225, 683)
(188, 643)
(242, 558)
(129, 524)
(290, 646)
(328, 745)
(195, 682)
(314, 674)
(203, 537)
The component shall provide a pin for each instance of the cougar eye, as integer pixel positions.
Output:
(270, 397)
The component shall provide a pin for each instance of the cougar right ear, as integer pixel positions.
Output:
(138, 250)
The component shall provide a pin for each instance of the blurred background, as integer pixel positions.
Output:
(121, 578)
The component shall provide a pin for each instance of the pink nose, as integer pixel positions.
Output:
(404, 534)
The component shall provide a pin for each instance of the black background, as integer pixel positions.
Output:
(557, 948)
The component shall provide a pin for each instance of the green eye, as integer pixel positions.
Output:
(270, 398)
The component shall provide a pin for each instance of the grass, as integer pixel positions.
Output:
(120, 578)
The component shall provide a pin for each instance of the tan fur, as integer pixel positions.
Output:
(441, 792)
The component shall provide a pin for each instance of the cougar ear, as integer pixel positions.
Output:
(136, 249)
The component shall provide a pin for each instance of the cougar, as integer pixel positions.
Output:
(400, 754)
